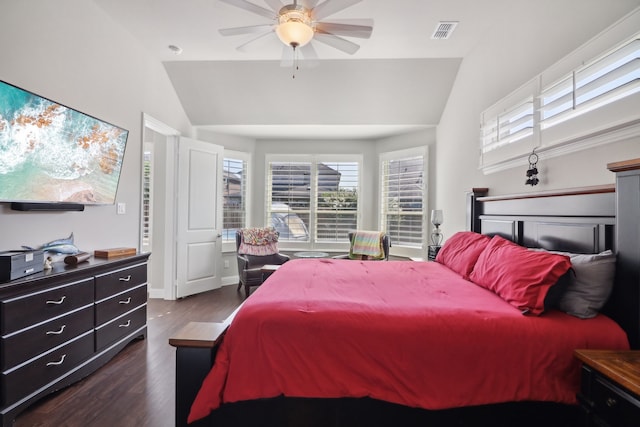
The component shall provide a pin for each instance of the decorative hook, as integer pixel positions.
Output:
(532, 172)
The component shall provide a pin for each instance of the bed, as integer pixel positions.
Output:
(421, 343)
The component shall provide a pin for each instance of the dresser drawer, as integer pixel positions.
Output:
(120, 280)
(28, 343)
(25, 379)
(26, 310)
(614, 406)
(119, 304)
(120, 327)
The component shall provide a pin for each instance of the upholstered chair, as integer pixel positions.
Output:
(256, 247)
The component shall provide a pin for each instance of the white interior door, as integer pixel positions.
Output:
(199, 217)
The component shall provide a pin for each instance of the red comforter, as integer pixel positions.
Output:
(413, 333)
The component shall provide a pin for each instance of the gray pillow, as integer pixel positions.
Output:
(590, 287)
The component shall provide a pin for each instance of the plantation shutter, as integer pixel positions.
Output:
(513, 125)
(403, 193)
(234, 210)
(336, 200)
(289, 199)
(606, 80)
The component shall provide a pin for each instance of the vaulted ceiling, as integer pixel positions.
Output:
(398, 81)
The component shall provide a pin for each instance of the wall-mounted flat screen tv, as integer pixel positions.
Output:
(51, 153)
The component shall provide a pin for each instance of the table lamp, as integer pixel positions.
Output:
(436, 220)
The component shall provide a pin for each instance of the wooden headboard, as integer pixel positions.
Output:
(578, 220)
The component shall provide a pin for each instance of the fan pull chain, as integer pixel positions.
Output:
(295, 60)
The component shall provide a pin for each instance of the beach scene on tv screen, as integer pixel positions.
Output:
(52, 153)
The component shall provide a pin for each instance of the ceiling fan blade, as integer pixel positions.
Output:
(309, 4)
(309, 56)
(363, 22)
(337, 42)
(274, 4)
(245, 30)
(246, 5)
(330, 7)
(346, 29)
(287, 56)
(245, 46)
(304, 57)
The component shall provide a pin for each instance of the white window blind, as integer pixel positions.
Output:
(587, 99)
(234, 210)
(403, 197)
(336, 200)
(289, 199)
(609, 78)
(556, 99)
(513, 125)
(147, 191)
(314, 201)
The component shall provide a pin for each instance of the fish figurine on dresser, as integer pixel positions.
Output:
(59, 246)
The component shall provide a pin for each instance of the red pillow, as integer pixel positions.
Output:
(519, 276)
(461, 251)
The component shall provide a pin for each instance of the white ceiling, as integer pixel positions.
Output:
(398, 81)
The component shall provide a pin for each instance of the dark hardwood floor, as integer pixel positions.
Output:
(136, 388)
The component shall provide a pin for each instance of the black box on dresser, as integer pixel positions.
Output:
(17, 264)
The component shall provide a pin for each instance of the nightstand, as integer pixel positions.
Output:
(610, 387)
(433, 252)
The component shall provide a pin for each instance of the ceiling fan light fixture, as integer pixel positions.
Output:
(294, 26)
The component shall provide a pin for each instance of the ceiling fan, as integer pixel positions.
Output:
(298, 23)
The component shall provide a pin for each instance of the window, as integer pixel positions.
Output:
(147, 191)
(234, 208)
(289, 199)
(614, 76)
(565, 108)
(509, 127)
(312, 200)
(403, 197)
(336, 200)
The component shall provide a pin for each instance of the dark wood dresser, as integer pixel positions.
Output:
(60, 325)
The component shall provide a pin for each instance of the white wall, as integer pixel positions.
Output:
(506, 58)
(71, 52)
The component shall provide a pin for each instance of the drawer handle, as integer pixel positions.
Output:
(58, 332)
(60, 301)
(125, 325)
(125, 279)
(58, 362)
(611, 402)
(127, 301)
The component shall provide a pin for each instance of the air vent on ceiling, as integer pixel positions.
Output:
(444, 29)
